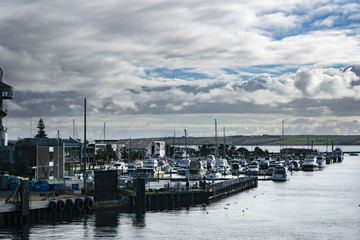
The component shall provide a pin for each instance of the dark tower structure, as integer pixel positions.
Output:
(6, 92)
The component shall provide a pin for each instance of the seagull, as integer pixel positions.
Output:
(226, 208)
(227, 204)
(243, 210)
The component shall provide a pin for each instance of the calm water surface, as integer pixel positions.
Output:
(311, 205)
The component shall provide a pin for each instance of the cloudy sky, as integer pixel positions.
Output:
(149, 68)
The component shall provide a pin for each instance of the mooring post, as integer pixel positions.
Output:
(140, 203)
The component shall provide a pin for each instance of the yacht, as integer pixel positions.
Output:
(178, 156)
(280, 173)
(144, 172)
(237, 168)
(135, 165)
(222, 166)
(253, 168)
(213, 175)
(120, 165)
(196, 171)
(310, 164)
(338, 154)
(321, 161)
(151, 163)
(210, 161)
(295, 165)
(184, 165)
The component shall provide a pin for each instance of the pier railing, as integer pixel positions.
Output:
(230, 186)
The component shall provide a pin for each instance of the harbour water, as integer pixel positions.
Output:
(312, 205)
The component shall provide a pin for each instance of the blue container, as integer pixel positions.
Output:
(56, 187)
(75, 186)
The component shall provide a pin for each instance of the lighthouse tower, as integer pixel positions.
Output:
(6, 92)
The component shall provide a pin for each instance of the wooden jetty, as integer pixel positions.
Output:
(168, 200)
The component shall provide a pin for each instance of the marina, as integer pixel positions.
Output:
(327, 199)
(179, 120)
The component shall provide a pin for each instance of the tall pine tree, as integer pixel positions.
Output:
(41, 132)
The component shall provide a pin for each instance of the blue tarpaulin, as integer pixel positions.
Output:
(39, 186)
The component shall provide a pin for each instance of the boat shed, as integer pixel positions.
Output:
(149, 147)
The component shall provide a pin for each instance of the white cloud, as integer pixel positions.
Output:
(108, 52)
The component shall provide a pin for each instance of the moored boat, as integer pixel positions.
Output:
(320, 159)
(280, 173)
(222, 166)
(184, 165)
(196, 171)
(338, 153)
(310, 164)
(253, 168)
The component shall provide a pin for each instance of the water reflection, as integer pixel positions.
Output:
(106, 223)
(138, 220)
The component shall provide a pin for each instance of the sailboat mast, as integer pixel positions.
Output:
(186, 150)
(224, 148)
(216, 142)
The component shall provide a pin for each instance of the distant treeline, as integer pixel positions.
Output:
(269, 140)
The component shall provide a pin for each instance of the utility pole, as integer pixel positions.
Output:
(58, 156)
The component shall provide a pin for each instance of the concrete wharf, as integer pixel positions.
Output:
(37, 208)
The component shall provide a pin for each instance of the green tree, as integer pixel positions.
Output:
(206, 149)
(106, 154)
(41, 132)
(243, 151)
(260, 153)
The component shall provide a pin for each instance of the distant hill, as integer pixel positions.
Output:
(270, 140)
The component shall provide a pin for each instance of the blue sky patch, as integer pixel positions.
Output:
(183, 73)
